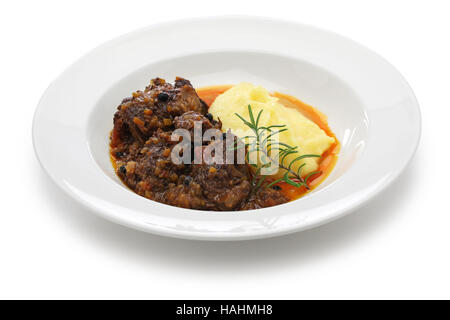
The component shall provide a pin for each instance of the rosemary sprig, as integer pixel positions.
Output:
(262, 141)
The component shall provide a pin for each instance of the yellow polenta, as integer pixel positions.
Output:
(301, 132)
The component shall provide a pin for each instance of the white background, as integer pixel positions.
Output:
(395, 247)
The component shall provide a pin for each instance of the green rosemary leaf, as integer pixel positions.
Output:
(286, 145)
(245, 121)
(260, 182)
(288, 152)
(259, 116)
(300, 168)
(274, 133)
(274, 182)
(310, 175)
(258, 171)
(283, 147)
(267, 164)
(303, 157)
(269, 128)
(250, 113)
(289, 181)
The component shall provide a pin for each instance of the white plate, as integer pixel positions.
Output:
(370, 107)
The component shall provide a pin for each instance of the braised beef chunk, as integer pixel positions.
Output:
(189, 197)
(155, 107)
(264, 197)
(187, 121)
(225, 185)
(142, 144)
(152, 170)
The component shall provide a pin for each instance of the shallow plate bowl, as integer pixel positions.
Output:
(370, 107)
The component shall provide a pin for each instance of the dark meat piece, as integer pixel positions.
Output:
(264, 197)
(152, 174)
(126, 151)
(155, 107)
(189, 197)
(152, 171)
(187, 120)
(224, 185)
